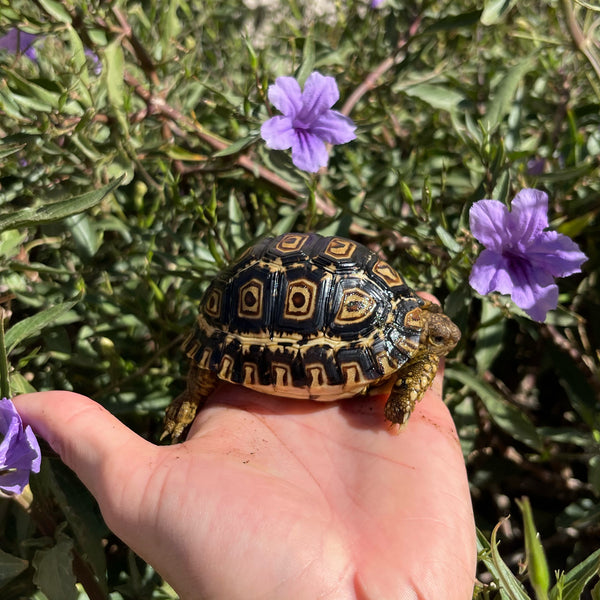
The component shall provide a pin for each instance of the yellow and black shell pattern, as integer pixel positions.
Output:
(306, 316)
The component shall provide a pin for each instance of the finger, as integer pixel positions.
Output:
(88, 438)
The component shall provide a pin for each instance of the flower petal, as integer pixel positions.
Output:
(556, 253)
(36, 462)
(286, 96)
(529, 216)
(490, 274)
(534, 291)
(488, 221)
(333, 127)
(278, 133)
(14, 482)
(23, 452)
(309, 152)
(17, 41)
(19, 450)
(531, 289)
(320, 94)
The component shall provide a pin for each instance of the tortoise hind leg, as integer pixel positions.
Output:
(414, 379)
(182, 410)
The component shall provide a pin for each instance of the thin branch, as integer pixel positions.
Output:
(158, 105)
(370, 81)
(582, 43)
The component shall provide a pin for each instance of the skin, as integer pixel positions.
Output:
(275, 498)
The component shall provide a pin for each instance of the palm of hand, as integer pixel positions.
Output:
(311, 501)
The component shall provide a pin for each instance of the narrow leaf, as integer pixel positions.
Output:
(114, 81)
(438, 96)
(4, 381)
(505, 415)
(537, 565)
(56, 9)
(454, 22)
(84, 234)
(494, 11)
(54, 571)
(10, 567)
(9, 149)
(505, 91)
(33, 91)
(236, 146)
(577, 578)
(80, 63)
(308, 59)
(56, 211)
(510, 587)
(32, 326)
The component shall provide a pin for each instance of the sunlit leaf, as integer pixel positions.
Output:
(55, 211)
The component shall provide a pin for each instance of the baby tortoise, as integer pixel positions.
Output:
(307, 316)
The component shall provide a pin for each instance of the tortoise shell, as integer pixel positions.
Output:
(307, 316)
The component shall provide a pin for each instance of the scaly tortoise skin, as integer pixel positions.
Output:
(321, 318)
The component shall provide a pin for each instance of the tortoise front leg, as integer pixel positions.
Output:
(414, 379)
(182, 410)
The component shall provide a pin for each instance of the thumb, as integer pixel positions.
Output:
(89, 439)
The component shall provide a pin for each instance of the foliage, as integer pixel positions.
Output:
(132, 167)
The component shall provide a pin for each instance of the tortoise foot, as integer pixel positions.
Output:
(178, 417)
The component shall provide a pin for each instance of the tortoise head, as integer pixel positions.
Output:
(439, 334)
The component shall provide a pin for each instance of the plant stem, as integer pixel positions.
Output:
(4, 383)
(579, 39)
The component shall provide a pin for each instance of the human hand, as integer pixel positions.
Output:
(275, 498)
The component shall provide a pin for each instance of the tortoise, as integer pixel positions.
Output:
(307, 316)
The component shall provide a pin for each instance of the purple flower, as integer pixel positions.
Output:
(520, 258)
(308, 121)
(95, 60)
(17, 41)
(376, 3)
(19, 450)
(536, 166)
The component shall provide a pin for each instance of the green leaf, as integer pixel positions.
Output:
(488, 342)
(537, 565)
(114, 81)
(504, 93)
(568, 174)
(46, 99)
(19, 385)
(576, 579)
(308, 59)
(56, 211)
(437, 96)
(505, 415)
(510, 587)
(236, 147)
(178, 153)
(4, 381)
(448, 240)
(32, 326)
(10, 567)
(56, 10)
(494, 11)
(453, 22)
(9, 149)
(10, 242)
(86, 525)
(84, 234)
(80, 63)
(54, 570)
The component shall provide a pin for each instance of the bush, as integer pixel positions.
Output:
(133, 167)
